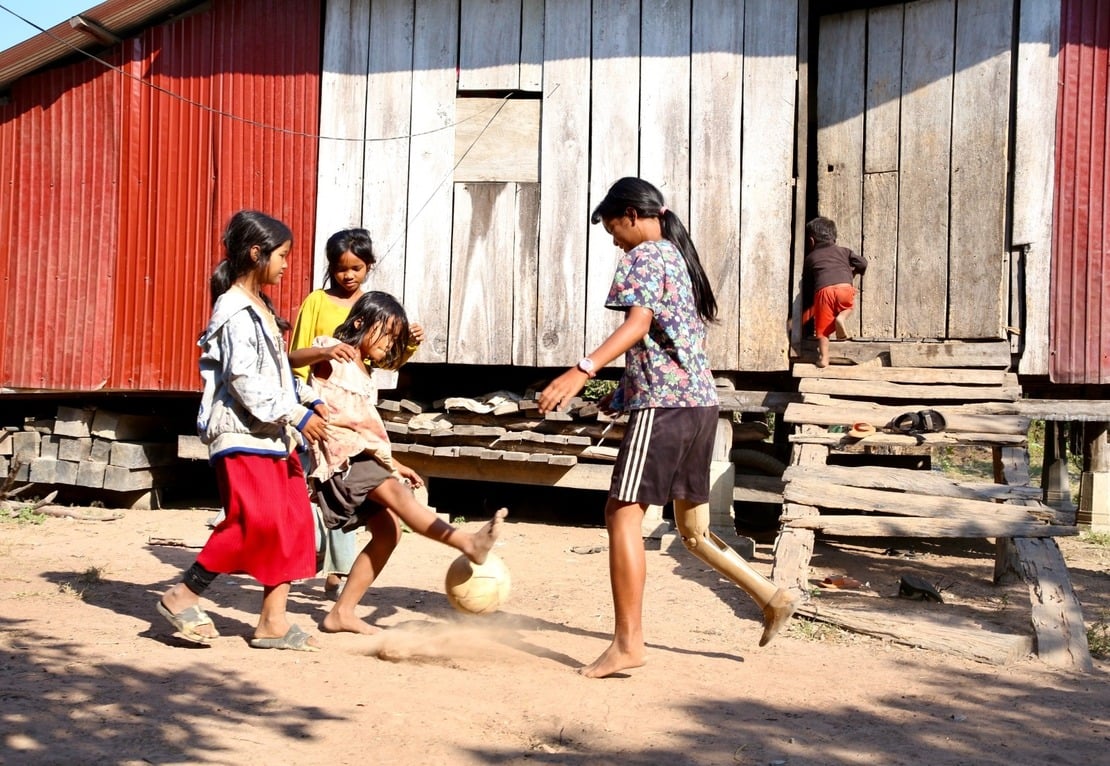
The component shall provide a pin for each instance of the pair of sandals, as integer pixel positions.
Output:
(920, 422)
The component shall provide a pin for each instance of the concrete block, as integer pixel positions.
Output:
(125, 427)
(48, 446)
(1094, 501)
(142, 454)
(73, 421)
(191, 448)
(722, 478)
(90, 474)
(74, 449)
(45, 470)
(6, 443)
(125, 480)
(25, 445)
(101, 450)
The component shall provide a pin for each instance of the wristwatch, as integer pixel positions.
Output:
(586, 365)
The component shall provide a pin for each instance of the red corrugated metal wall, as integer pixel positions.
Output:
(1080, 338)
(121, 190)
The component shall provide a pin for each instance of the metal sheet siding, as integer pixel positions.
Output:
(1080, 338)
(223, 119)
(60, 153)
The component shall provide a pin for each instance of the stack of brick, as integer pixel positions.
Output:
(92, 448)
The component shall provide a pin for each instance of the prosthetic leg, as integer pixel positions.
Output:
(777, 603)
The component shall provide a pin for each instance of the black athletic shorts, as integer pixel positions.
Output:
(344, 498)
(666, 454)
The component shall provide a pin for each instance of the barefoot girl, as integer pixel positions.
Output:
(351, 258)
(668, 389)
(358, 481)
(253, 415)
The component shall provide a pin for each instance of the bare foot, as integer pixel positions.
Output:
(481, 542)
(338, 623)
(777, 613)
(822, 362)
(614, 660)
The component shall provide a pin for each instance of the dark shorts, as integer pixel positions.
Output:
(665, 454)
(344, 498)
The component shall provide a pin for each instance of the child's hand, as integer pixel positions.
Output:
(562, 390)
(344, 352)
(323, 411)
(407, 473)
(315, 429)
(416, 333)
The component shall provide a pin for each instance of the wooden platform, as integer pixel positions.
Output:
(869, 501)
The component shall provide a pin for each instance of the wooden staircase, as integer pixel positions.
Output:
(871, 499)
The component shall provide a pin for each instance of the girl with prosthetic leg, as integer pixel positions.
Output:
(667, 388)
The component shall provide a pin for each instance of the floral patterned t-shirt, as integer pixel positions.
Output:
(669, 366)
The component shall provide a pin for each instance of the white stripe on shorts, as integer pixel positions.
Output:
(638, 444)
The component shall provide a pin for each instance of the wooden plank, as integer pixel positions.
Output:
(385, 165)
(564, 186)
(343, 82)
(922, 283)
(1057, 613)
(801, 184)
(905, 479)
(531, 45)
(1037, 84)
(431, 160)
(900, 526)
(766, 179)
(842, 412)
(755, 401)
(794, 545)
(880, 233)
(665, 110)
(940, 629)
(615, 140)
(840, 122)
(908, 374)
(980, 163)
(917, 504)
(497, 139)
(879, 389)
(1087, 410)
(553, 474)
(481, 297)
(489, 45)
(924, 442)
(716, 67)
(526, 274)
(984, 354)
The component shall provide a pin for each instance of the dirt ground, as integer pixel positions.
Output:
(89, 673)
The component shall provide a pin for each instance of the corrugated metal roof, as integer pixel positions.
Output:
(118, 17)
(1080, 322)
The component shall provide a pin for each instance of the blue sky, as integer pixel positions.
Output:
(45, 13)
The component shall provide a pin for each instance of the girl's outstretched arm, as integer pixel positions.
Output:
(637, 322)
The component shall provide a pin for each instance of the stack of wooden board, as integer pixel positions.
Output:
(875, 500)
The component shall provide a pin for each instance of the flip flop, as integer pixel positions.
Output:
(294, 639)
(187, 621)
(920, 422)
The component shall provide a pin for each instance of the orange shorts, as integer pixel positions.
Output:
(827, 305)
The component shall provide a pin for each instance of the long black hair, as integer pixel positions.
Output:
(631, 193)
(380, 310)
(355, 241)
(245, 230)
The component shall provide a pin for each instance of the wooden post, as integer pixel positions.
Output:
(1094, 484)
(1054, 474)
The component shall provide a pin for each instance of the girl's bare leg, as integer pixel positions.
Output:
(273, 621)
(627, 575)
(385, 534)
(424, 521)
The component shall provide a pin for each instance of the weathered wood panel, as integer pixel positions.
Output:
(342, 124)
(767, 169)
(980, 157)
(922, 285)
(880, 171)
(489, 45)
(386, 160)
(665, 100)
(801, 183)
(431, 159)
(482, 277)
(881, 389)
(564, 208)
(614, 128)
(1034, 168)
(948, 376)
(531, 45)
(525, 274)
(716, 81)
(497, 140)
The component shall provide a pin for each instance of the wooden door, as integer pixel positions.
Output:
(913, 125)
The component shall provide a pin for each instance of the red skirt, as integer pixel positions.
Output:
(268, 532)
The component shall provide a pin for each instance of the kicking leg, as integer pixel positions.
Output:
(424, 521)
(777, 603)
(385, 534)
(627, 575)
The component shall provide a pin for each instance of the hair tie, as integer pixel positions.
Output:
(662, 210)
